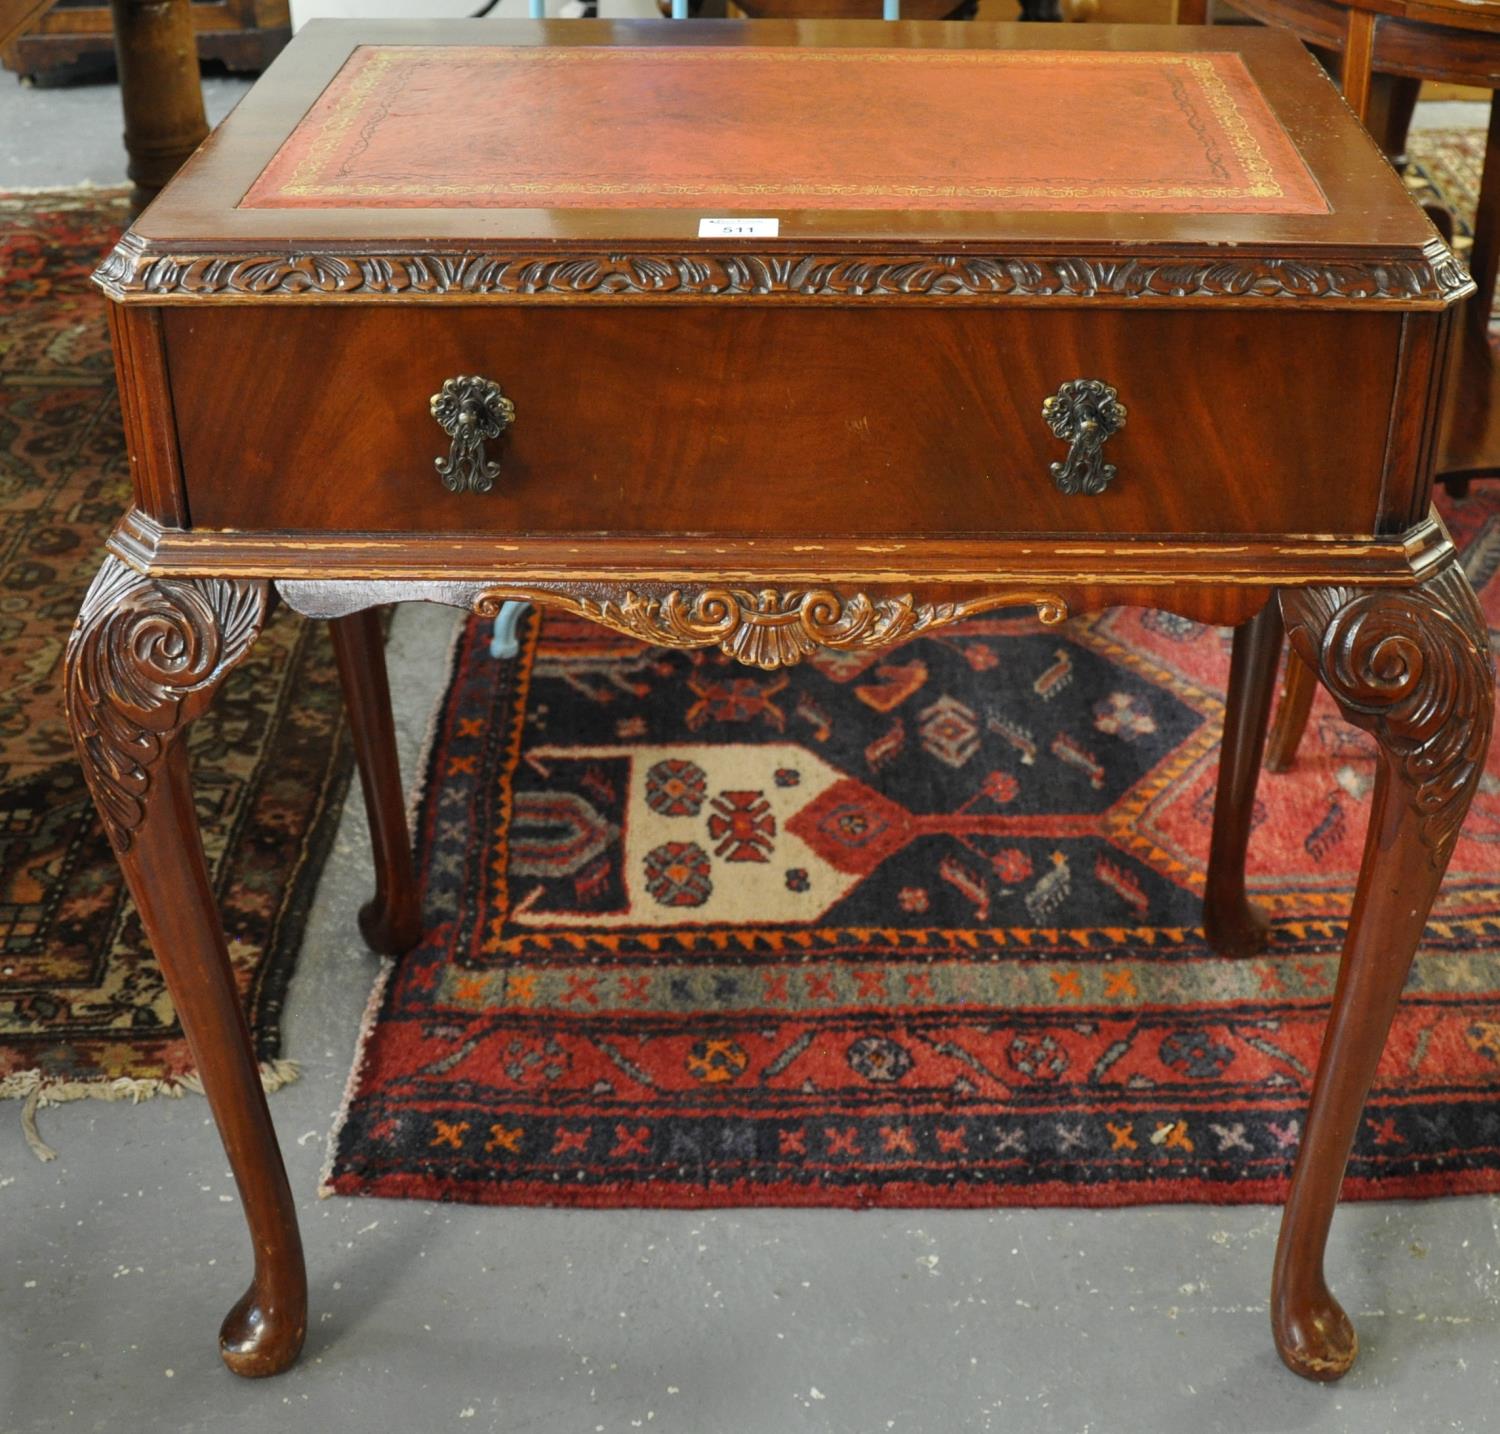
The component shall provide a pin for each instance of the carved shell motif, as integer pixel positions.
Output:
(766, 628)
(770, 628)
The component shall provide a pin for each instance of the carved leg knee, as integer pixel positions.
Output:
(1411, 666)
(144, 660)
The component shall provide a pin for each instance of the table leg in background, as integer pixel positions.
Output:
(391, 923)
(156, 52)
(1232, 924)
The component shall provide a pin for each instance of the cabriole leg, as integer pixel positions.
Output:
(145, 659)
(392, 922)
(1412, 666)
(1297, 695)
(1232, 924)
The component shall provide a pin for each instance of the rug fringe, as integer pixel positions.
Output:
(88, 187)
(35, 1091)
(30, 1133)
(356, 1071)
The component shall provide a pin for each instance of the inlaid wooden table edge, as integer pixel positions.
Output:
(1229, 479)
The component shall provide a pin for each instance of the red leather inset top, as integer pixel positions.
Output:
(768, 129)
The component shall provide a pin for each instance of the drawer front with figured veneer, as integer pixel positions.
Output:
(779, 421)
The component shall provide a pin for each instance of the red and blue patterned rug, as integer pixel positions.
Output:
(84, 1011)
(911, 928)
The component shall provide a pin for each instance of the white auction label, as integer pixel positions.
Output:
(738, 228)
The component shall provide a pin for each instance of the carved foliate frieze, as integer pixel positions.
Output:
(768, 627)
(1412, 666)
(131, 270)
(772, 628)
(145, 656)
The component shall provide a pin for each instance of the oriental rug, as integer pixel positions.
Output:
(83, 1009)
(919, 927)
(1444, 169)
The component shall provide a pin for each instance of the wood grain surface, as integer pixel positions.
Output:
(779, 422)
(1368, 209)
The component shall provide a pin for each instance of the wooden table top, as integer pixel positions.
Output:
(1026, 144)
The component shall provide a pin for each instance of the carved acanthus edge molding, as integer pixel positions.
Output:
(145, 656)
(1414, 668)
(134, 270)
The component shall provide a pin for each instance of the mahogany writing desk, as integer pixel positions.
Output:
(1059, 317)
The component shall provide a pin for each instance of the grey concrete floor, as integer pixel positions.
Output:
(118, 1260)
(71, 134)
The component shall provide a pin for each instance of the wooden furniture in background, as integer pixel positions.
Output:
(848, 9)
(871, 9)
(157, 46)
(1455, 41)
(1184, 339)
(1002, 10)
(65, 36)
(1119, 12)
(16, 16)
(160, 91)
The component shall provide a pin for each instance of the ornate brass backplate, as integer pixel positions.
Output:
(470, 410)
(1084, 412)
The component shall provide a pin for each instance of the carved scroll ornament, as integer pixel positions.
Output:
(770, 628)
(144, 659)
(1412, 666)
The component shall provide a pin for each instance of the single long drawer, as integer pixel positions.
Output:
(780, 421)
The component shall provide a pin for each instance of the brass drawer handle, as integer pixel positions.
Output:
(470, 410)
(1084, 412)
